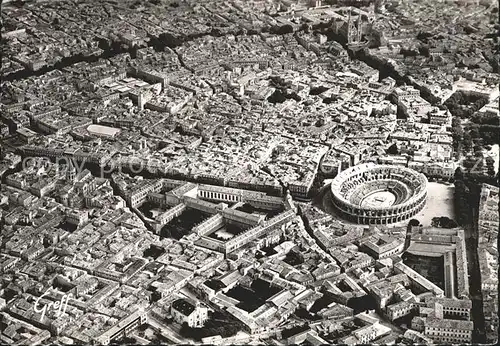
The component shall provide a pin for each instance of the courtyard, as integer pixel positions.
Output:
(439, 203)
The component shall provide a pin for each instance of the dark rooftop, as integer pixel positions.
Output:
(183, 307)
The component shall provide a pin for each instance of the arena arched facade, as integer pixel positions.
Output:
(378, 194)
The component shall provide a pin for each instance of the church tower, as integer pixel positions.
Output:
(71, 172)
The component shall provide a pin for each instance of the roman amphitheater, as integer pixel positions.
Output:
(378, 194)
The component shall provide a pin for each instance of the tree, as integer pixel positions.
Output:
(282, 30)
(414, 222)
(467, 141)
(474, 131)
(478, 104)
(490, 166)
(435, 221)
(446, 222)
(490, 134)
(461, 199)
(186, 331)
(305, 27)
(485, 119)
(489, 161)
(490, 171)
(294, 258)
(470, 163)
(320, 122)
(424, 36)
(457, 133)
(393, 149)
(443, 222)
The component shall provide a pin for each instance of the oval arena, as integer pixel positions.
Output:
(378, 194)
